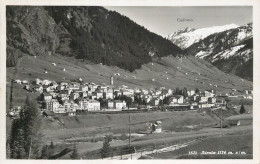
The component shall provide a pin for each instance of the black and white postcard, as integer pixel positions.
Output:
(128, 81)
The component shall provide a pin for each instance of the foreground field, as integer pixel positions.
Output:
(239, 143)
(64, 127)
(87, 131)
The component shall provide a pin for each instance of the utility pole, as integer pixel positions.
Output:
(221, 118)
(129, 130)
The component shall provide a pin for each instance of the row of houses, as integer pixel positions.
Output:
(70, 96)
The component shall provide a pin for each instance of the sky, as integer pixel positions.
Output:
(165, 20)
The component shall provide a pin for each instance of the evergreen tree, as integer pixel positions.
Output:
(74, 154)
(16, 140)
(128, 101)
(26, 138)
(185, 92)
(242, 109)
(106, 149)
(20, 150)
(52, 145)
(177, 91)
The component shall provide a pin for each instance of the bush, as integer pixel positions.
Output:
(242, 109)
(123, 137)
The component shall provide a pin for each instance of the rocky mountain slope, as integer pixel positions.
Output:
(87, 33)
(188, 36)
(231, 50)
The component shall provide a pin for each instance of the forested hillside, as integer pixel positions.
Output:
(88, 33)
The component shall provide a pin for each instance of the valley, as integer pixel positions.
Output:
(81, 80)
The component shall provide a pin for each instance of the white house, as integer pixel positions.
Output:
(93, 105)
(47, 96)
(119, 104)
(176, 99)
(38, 89)
(108, 95)
(203, 99)
(191, 92)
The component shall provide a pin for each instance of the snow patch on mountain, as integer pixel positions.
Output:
(187, 37)
(202, 54)
(227, 53)
(243, 34)
(233, 52)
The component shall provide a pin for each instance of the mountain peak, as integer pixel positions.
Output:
(188, 36)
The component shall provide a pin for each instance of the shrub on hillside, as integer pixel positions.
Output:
(242, 109)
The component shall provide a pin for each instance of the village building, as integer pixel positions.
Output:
(64, 83)
(54, 85)
(110, 104)
(54, 94)
(119, 104)
(61, 87)
(108, 95)
(158, 92)
(191, 92)
(38, 81)
(59, 109)
(27, 87)
(176, 99)
(73, 87)
(38, 89)
(209, 94)
(46, 82)
(155, 101)
(15, 110)
(212, 100)
(51, 105)
(128, 92)
(206, 105)
(64, 95)
(98, 94)
(18, 81)
(46, 96)
(83, 94)
(25, 82)
(83, 104)
(203, 99)
(47, 88)
(89, 105)
(83, 88)
(145, 92)
(93, 105)
(117, 93)
(70, 106)
(74, 95)
(147, 99)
